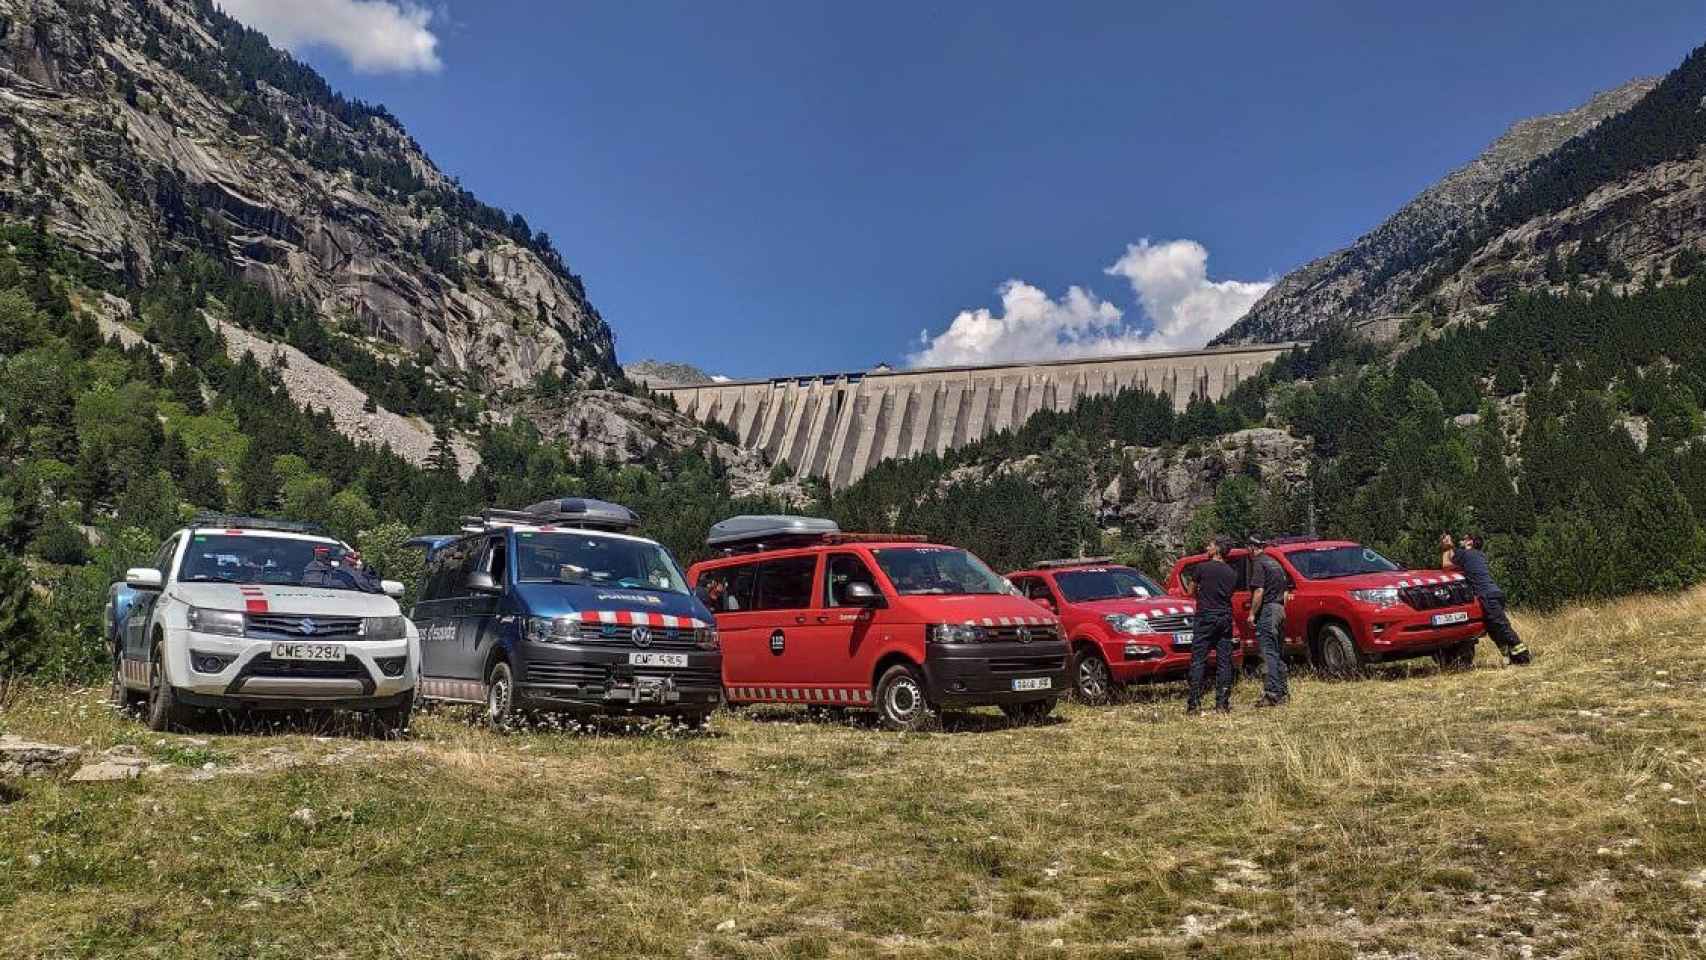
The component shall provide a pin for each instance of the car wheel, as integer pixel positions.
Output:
(1092, 681)
(122, 699)
(693, 721)
(394, 721)
(1459, 656)
(1339, 657)
(500, 695)
(1030, 711)
(901, 704)
(164, 711)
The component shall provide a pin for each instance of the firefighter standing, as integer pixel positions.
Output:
(1465, 556)
(1215, 581)
(1268, 588)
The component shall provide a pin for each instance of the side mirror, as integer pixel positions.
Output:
(1047, 603)
(860, 595)
(483, 583)
(144, 578)
(392, 588)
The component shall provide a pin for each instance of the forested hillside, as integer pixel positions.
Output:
(1568, 428)
(105, 449)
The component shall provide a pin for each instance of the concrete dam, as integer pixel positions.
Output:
(839, 425)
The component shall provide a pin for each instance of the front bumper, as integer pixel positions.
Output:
(1395, 633)
(1129, 663)
(602, 678)
(983, 674)
(373, 674)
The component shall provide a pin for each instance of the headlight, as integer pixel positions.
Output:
(549, 629)
(1128, 623)
(1379, 597)
(383, 628)
(222, 623)
(955, 633)
(707, 638)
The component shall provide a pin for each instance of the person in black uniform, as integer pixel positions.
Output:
(1268, 588)
(1215, 581)
(1466, 557)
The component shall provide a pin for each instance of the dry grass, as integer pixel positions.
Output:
(1548, 812)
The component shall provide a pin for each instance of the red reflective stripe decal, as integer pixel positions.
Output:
(255, 605)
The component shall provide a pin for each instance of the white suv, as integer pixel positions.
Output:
(240, 613)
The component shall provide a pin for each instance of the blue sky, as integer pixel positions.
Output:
(767, 188)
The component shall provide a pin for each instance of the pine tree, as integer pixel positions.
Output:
(19, 633)
(185, 387)
(442, 458)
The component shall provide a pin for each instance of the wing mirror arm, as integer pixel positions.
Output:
(861, 595)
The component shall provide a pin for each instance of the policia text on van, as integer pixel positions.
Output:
(555, 608)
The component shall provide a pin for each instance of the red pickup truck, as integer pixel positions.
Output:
(1121, 626)
(1351, 607)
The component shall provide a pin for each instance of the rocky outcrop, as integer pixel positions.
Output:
(1173, 484)
(1377, 275)
(615, 427)
(661, 373)
(150, 129)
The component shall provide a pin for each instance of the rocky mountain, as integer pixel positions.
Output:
(143, 131)
(663, 373)
(1405, 265)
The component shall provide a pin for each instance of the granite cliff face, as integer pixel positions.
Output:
(1379, 274)
(143, 130)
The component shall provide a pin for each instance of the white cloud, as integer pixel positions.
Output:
(377, 36)
(1182, 309)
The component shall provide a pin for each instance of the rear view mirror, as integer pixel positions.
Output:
(143, 578)
(482, 583)
(860, 595)
(392, 588)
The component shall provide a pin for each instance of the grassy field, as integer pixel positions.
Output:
(1554, 811)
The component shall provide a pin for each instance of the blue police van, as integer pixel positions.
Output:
(558, 607)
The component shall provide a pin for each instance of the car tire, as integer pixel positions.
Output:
(1031, 711)
(1339, 656)
(123, 700)
(500, 695)
(1092, 681)
(695, 720)
(1460, 656)
(164, 711)
(901, 701)
(391, 722)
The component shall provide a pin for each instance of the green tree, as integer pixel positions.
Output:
(19, 632)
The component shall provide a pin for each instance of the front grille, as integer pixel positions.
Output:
(662, 638)
(570, 674)
(1010, 634)
(1171, 622)
(1454, 594)
(288, 626)
(1025, 664)
(265, 666)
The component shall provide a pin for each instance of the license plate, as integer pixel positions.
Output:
(308, 651)
(1033, 683)
(1442, 619)
(1181, 640)
(657, 659)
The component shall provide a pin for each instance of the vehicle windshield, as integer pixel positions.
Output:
(279, 561)
(1104, 583)
(1329, 563)
(937, 570)
(587, 558)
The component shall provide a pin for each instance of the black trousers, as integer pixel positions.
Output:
(1500, 629)
(1270, 626)
(1215, 628)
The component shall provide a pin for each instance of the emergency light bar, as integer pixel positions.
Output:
(1072, 562)
(227, 521)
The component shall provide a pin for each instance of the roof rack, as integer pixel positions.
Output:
(756, 533)
(570, 512)
(231, 521)
(1071, 562)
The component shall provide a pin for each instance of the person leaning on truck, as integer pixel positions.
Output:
(1268, 586)
(1215, 582)
(1466, 557)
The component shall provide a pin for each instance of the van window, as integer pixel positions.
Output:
(786, 584)
(845, 568)
(496, 562)
(728, 589)
(447, 575)
(1033, 588)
